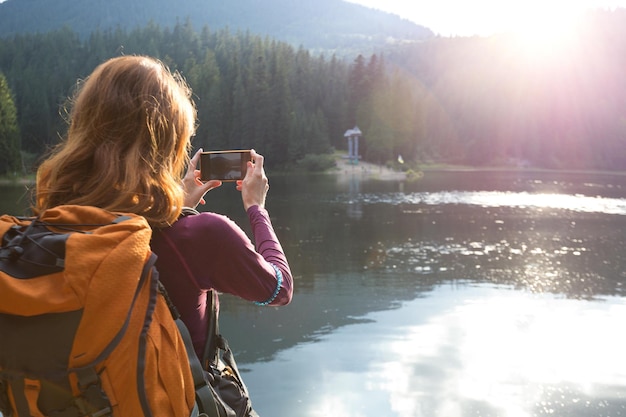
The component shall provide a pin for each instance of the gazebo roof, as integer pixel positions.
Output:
(353, 132)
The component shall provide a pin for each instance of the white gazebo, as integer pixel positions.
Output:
(353, 136)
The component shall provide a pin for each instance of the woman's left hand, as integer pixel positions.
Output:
(194, 188)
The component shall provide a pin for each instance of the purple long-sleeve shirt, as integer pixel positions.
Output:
(209, 251)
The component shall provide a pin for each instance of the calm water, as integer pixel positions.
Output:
(463, 294)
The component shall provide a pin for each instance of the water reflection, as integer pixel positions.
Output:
(510, 300)
(477, 294)
(578, 203)
(463, 350)
(539, 263)
(354, 207)
(557, 243)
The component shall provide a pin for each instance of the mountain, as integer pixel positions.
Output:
(313, 24)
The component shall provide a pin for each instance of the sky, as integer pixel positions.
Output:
(486, 17)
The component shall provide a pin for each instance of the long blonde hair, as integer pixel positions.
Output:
(127, 145)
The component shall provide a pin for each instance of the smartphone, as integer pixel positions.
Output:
(224, 165)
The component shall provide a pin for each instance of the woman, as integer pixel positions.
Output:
(126, 150)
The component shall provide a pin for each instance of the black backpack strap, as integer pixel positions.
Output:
(92, 401)
(188, 211)
(209, 356)
(204, 393)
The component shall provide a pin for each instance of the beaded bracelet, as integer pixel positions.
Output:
(279, 283)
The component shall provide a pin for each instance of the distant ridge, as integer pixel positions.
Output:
(323, 24)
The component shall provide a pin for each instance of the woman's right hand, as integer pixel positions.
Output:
(193, 187)
(255, 184)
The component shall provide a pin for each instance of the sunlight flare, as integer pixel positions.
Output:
(542, 28)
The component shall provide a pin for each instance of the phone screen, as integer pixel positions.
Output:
(224, 165)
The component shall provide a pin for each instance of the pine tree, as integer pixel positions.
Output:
(10, 160)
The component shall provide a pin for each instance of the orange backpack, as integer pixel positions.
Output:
(84, 330)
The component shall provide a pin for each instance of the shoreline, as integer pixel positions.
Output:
(370, 170)
(366, 170)
(374, 171)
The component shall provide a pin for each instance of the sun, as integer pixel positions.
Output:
(544, 28)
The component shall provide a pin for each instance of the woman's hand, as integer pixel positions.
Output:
(194, 188)
(255, 184)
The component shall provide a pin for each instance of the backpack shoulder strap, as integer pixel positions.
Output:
(204, 393)
(209, 356)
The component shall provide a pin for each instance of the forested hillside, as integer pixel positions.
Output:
(317, 25)
(250, 91)
(497, 101)
(473, 101)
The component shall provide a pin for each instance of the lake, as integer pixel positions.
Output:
(462, 294)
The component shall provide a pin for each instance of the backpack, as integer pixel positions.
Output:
(84, 327)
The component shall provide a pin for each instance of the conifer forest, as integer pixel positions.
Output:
(477, 101)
